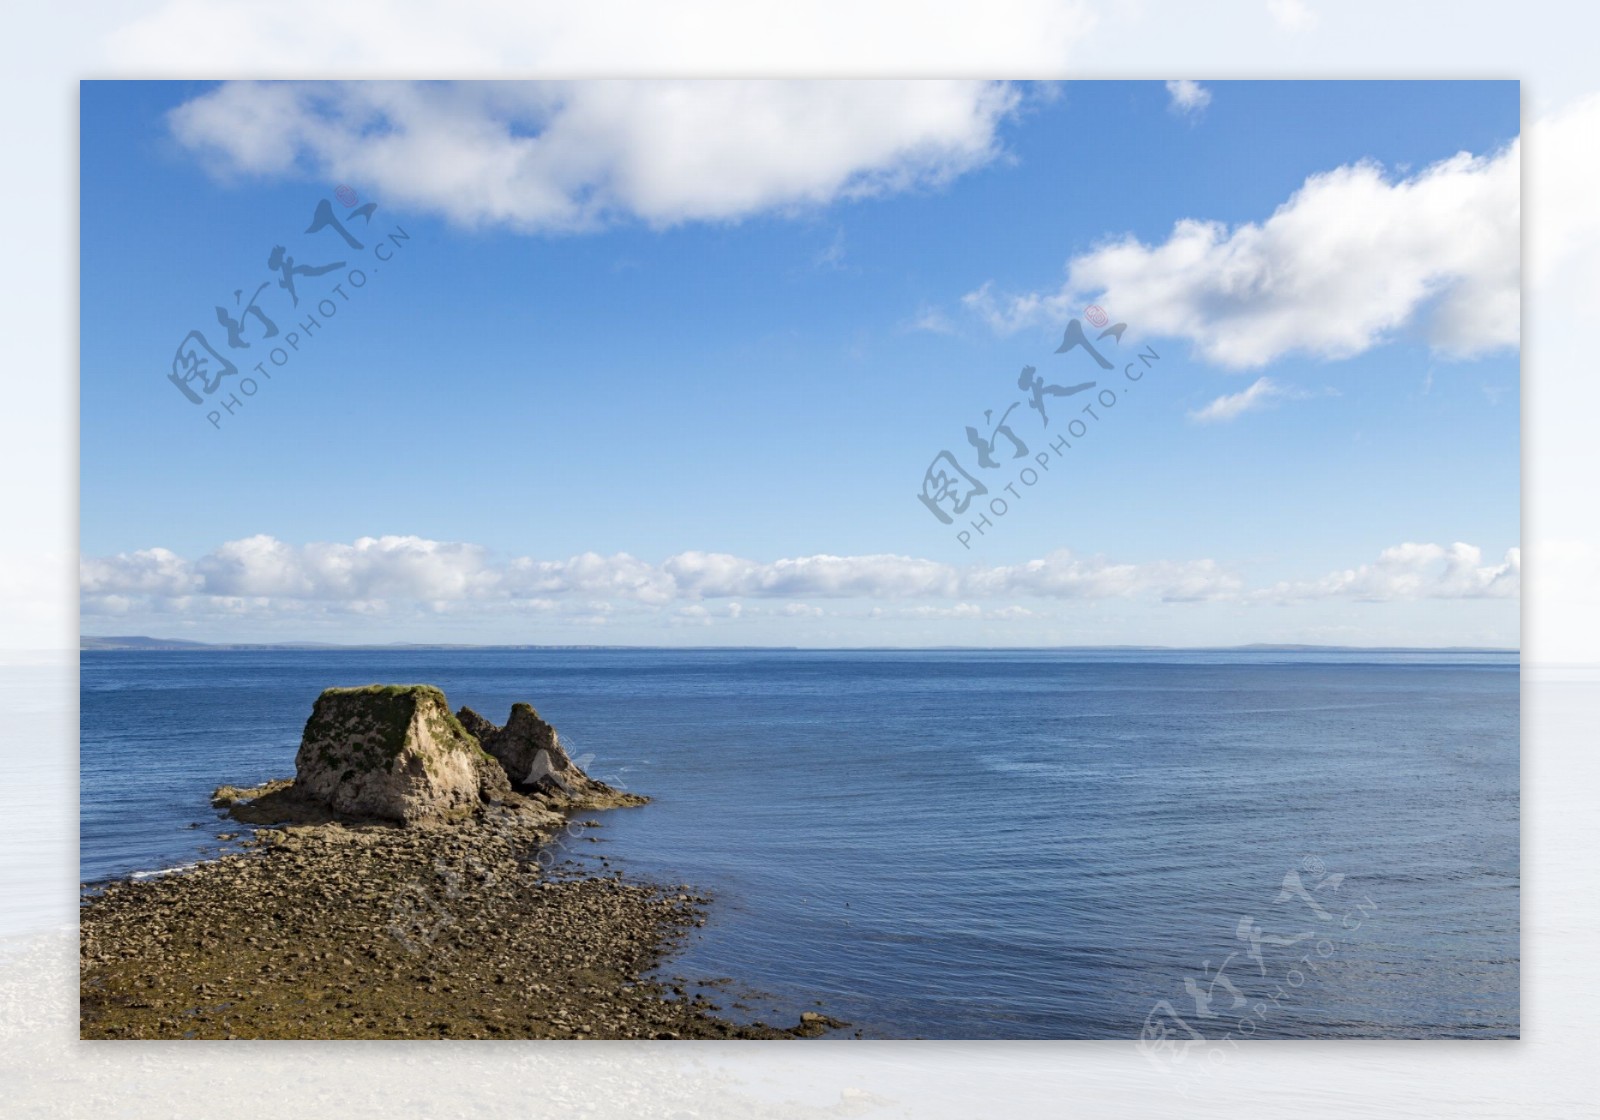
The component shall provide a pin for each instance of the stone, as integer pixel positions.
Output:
(395, 753)
(528, 748)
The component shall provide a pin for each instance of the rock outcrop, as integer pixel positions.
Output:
(530, 750)
(527, 747)
(393, 752)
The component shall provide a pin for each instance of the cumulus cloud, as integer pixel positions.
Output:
(712, 575)
(619, 575)
(1353, 257)
(1415, 571)
(571, 156)
(150, 571)
(261, 575)
(372, 568)
(1061, 575)
(1188, 96)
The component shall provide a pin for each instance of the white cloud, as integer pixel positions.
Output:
(710, 575)
(931, 320)
(150, 571)
(1262, 393)
(1351, 258)
(1414, 571)
(832, 257)
(1292, 15)
(925, 613)
(620, 575)
(1007, 314)
(1061, 575)
(1188, 96)
(261, 576)
(373, 568)
(580, 155)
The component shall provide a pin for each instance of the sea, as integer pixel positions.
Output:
(1178, 846)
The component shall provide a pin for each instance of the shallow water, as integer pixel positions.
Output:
(963, 844)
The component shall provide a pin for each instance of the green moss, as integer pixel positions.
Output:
(370, 733)
(386, 690)
(449, 730)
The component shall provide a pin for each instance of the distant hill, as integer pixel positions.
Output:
(134, 642)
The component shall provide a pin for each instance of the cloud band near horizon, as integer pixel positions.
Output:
(374, 574)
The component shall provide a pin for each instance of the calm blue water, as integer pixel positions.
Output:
(963, 844)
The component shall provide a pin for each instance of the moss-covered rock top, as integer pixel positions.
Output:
(378, 715)
(393, 751)
(431, 690)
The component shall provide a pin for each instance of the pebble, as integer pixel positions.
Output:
(328, 931)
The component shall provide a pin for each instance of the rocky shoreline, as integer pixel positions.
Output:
(340, 926)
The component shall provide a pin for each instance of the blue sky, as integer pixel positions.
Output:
(708, 363)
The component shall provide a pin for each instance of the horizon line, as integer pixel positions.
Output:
(126, 642)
